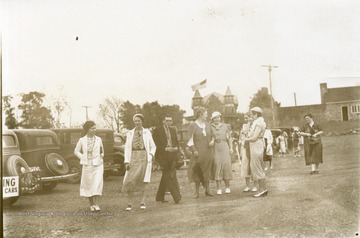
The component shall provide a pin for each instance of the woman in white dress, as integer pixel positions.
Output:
(90, 151)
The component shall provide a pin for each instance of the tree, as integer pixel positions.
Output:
(34, 114)
(214, 104)
(176, 112)
(59, 104)
(262, 99)
(10, 120)
(127, 112)
(110, 112)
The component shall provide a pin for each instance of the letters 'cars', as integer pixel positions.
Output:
(18, 178)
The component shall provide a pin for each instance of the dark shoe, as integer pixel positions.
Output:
(261, 194)
(162, 200)
(208, 194)
(316, 172)
(312, 172)
(196, 195)
(177, 201)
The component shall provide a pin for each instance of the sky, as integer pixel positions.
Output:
(145, 51)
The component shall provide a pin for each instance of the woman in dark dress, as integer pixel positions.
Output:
(312, 143)
(199, 144)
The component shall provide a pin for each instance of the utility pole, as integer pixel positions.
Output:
(271, 94)
(86, 108)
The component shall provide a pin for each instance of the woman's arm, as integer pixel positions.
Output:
(255, 135)
(77, 150)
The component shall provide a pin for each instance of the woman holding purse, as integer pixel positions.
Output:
(312, 143)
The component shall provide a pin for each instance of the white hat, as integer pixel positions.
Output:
(215, 114)
(256, 109)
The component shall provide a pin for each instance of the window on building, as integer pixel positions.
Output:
(355, 108)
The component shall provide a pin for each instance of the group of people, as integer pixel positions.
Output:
(209, 145)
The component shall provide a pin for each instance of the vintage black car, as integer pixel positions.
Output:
(17, 177)
(113, 158)
(40, 148)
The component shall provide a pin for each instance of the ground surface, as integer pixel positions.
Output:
(298, 205)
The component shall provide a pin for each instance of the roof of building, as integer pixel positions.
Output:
(342, 94)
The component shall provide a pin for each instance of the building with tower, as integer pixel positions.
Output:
(226, 104)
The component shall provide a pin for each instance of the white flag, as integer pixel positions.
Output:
(198, 86)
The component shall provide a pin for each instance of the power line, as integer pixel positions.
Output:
(270, 67)
(86, 109)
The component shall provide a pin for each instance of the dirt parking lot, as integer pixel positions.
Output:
(298, 205)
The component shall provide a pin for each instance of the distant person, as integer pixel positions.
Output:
(223, 147)
(312, 143)
(139, 152)
(201, 162)
(90, 151)
(255, 139)
(268, 152)
(245, 157)
(296, 142)
(282, 144)
(167, 147)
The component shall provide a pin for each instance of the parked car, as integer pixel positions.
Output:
(119, 148)
(113, 158)
(17, 177)
(40, 148)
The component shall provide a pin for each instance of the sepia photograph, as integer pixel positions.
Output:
(170, 118)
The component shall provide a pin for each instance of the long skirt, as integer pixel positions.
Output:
(256, 161)
(91, 180)
(245, 164)
(134, 177)
(313, 153)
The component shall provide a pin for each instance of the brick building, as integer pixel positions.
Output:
(337, 105)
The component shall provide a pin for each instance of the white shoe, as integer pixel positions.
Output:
(219, 192)
(92, 208)
(128, 208)
(254, 189)
(247, 189)
(142, 206)
(266, 168)
(97, 208)
(227, 190)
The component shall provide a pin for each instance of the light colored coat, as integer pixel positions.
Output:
(150, 148)
(82, 146)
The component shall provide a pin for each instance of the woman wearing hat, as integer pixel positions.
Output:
(221, 140)
(245, 161)
(90, 151)
(201, 163)
(139, 152)
(255, 139)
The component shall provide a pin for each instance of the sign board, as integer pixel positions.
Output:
(10, 186)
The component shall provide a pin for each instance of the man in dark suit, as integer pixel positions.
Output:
(167, 147)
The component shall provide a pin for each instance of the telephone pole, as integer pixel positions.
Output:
(272, 99)
(86, 109)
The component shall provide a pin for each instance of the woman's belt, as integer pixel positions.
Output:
(219, 140)
(137, 149)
